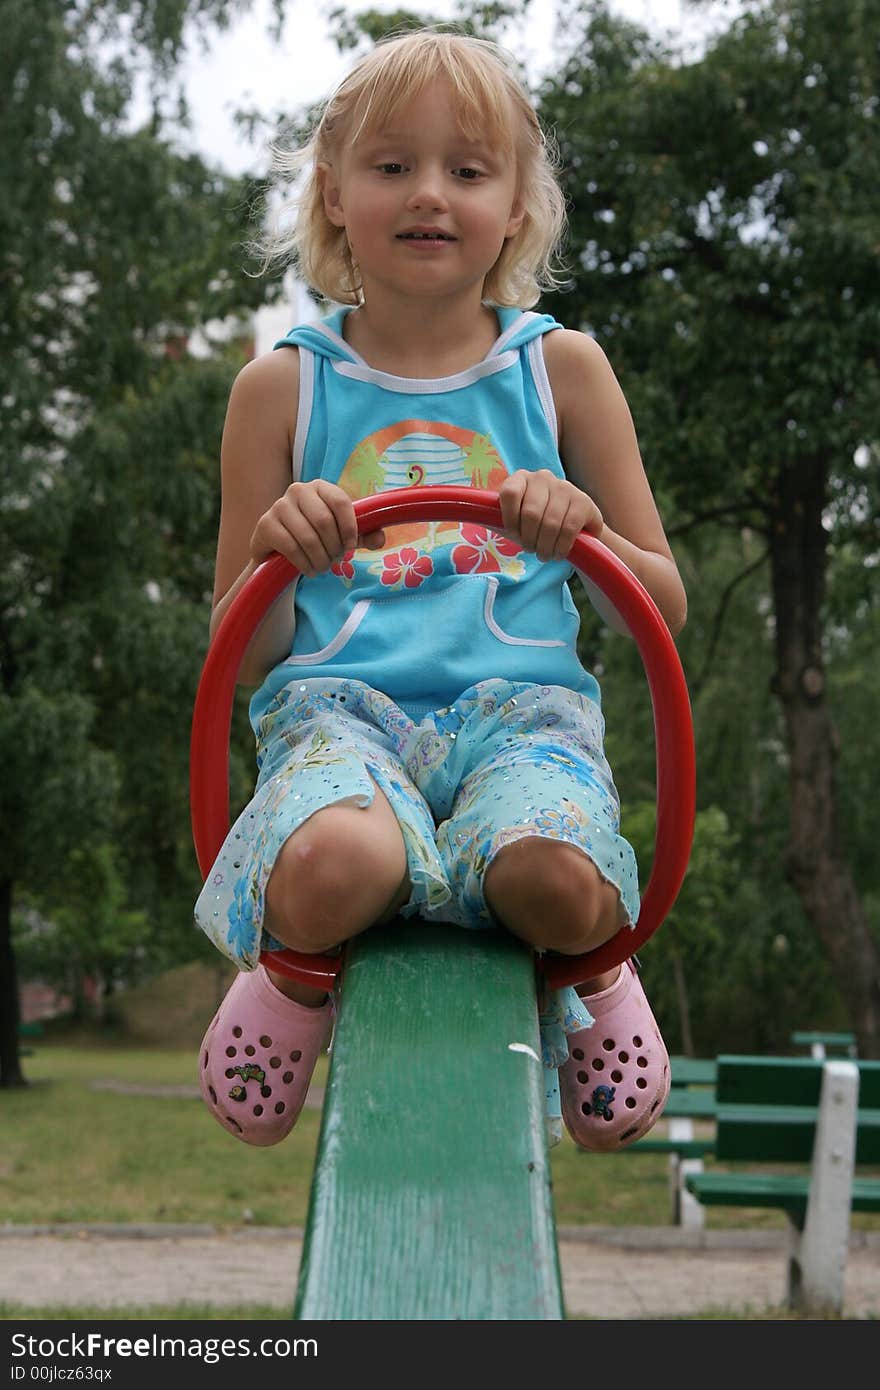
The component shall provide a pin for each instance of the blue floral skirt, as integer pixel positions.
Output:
(503, 761)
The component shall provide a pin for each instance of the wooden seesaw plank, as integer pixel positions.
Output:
(431, 1193)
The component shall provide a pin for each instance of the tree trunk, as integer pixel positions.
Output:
(684, 1008)
(10, 1063)
(816, 863)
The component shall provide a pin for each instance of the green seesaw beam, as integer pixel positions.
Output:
(431, 1192)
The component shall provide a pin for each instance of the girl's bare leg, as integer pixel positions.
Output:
(551, 895)
(342, 871)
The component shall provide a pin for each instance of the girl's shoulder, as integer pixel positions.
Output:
(278, 367)
(268, 384)
(576, 365)
(568, 353)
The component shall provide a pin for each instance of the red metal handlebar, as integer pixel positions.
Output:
(673, 730)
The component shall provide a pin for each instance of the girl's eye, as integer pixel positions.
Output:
(468, 174)
(390, 166)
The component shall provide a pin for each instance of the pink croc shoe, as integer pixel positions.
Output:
(257, 1058)
(616, 1081)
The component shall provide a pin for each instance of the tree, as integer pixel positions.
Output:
(113, 247)
(724, 245)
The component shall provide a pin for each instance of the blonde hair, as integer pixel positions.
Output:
(491, 103)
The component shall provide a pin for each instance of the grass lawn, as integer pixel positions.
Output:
(73, 1152)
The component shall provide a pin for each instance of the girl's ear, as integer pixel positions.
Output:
(516, 219)
(329, 186)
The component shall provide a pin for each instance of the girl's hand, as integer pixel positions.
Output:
(312, 525)
(545, 513)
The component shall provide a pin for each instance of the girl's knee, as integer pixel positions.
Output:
(551, 894)
(334, 875)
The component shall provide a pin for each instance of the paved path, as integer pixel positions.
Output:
(608, 1272)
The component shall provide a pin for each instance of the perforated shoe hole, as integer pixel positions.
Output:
(608, 1044)
(630, 1103)
(296, 1055)
(287, 1077)
(623, 1056)
(637, 1042)
(598, 1064)
(608, 1116)
(583, 1077)
(617, 1075)
(577, 1054)
(231, 1051)
(230, 1072)
(265, 1092)
(249, 1050)
(265, 1041)
(586, 1108)
(258, 1109)
(641, 1083)
(641, 1061)
(274, 1062)
(204, 1059)
(279, 1107)
(213, 1094)
(234, 1123)
(236, 1032)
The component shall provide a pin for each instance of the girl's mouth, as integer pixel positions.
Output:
(431, 238)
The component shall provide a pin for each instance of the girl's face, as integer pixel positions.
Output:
(426, 210)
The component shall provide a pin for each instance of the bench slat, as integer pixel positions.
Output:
(784, 1134)
(785, 1081)
(693, 1071)
(695, 1104)
(772, 1190)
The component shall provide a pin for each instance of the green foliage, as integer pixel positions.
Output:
(484, 20)
(91, 934)
(723, 220)
(114, 248)
(752, 966)
(723, 248)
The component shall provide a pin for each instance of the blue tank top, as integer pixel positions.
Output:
(444, 604)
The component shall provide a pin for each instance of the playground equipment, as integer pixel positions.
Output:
(431, 1193)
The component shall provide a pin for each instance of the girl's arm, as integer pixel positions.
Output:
(262, 513)
(255, 469)
(600, 453)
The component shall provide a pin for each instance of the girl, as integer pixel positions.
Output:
(428, 741)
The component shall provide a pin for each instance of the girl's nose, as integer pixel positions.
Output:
(427, 191)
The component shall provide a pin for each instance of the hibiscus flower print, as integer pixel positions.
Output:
(483, 551)
(344, 567)
(407, 567)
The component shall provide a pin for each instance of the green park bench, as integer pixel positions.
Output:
(822, 1045)
(29, 1030)
(824, 1116)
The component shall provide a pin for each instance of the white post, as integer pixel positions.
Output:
(817, 1264)
(686, 1210)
